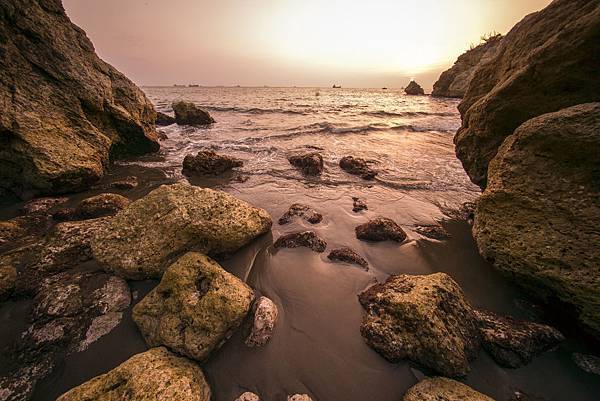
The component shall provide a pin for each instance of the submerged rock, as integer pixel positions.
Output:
(129, 182)
(513, 343)
(65, 112)
(102, 205)
(587, 363)
(443, 389)
(348, 255)
(308, 239)
(143, 238)
(156, 374)
(248, 396)
(42, 205)
(304, 211)
(358, 205)
(196, 307)
(187, 113)
(425, 319)
(414, 89)
(163, 119)
(308, 163)
(357, 166)
(436, 232)
(380, 229)
(207, 162)
(264, 316)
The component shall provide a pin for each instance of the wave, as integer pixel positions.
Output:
(254, 110)
(383, 113)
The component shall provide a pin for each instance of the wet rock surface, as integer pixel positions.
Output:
(299, 397)
(144, 237)
(587, 363)
(23, 230)
(129, 182)
(307, 239)
(443, 389)
(357, 166)
(308, 163)
(187, 113)
(436, 232)
(358, 204)
(8, 281)
(156, 374)
(380, 229)
(263, 318)
(163, 119)
(248, 396)
(414, 89)
(100, 206)
(196, 307)
(42, 205)
(304, 211)
(207, 162)
(348, 255)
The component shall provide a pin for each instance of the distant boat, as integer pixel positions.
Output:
(337, 86)
(179, 86)
(384, 88)
(193, 86)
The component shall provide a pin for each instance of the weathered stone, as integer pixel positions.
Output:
(455, 81)
(513, 343)
(187, 113)
(65, 112)
(588, 363)
(264, 316)
(8, 280)
(207, 162)
(248, 396)
(380, 229)
(308, 163)
(143, 238)
(358, 205)
(443, 389)
(163, 119)
(436, 232)
(547, 62)
(414, 89)
(425, 319)
(42, 205)
(306, 239)
(156, 374)
(129, 182)
(348, 255)
(299, 397)
(196, 307)
(357, 166)
(537, 220)
(102, 205)
(299, 210)
(23, 229)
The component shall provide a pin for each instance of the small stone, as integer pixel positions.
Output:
(304, 211)
(358, 205)
(163, 119)
(436, 232)
(102, 205)
(100, 326)
(380, 229)
(348, 255)
(42, 205)
(187, 113)
(588, 363)
(299, 397)
(264, 315)
(207, 162)
(129, 182)
(306, 239)
(357, 166)
(443, 389)
(248, 396)
(308, 163)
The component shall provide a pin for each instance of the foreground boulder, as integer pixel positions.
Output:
(299, 210)
(65, 112)
(443, 389)
(187, 113)
(425, 319)
(264, 316)
(414, 89)
(194, 309)
(307, 239)
(142, 239)
(380, 229)
(547, 62)
(455, 81)
(207, 162)
(308, 163)
(156, 374)
(357, 166)
(537, 220)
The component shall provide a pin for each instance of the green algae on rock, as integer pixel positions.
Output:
(143, 238)
(156, 374)
(196, 307)
(441, 388)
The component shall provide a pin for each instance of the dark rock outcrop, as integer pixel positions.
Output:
(587, 363)
(65, 112)
(299, 210)
(455, 81)
(414, 89)
(380, 229)
(306, 239)
(357, 166)
(308, 163)
(443, 389)
(358, 205)
(187, 113)
(207, 162)
(163, 119)
(348, 255)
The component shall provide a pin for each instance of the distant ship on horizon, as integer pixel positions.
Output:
(337, 86)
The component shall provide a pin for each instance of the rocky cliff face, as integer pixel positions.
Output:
(548, 61)
(65, 112)
(454, 82)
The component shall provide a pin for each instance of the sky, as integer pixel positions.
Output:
(363, 43)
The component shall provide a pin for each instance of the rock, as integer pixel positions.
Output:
(65, 214)
(357, 166)
(143, 238)
(348, 255)
(425, 319)
(513, 343)
(264, 316)
(547, 62)
(433, 231)
(129, 182)
(414, 89)
(102, 205)
(304, 211)
(187, 113)
(588, 363)
(65, 112)
(23, 229)
(207, 162)
(537, 219)
(156, 374)
(455, 81)
(380, 229)
(196, 307)
(358, 205)
(299, 397)
(248, 396)
(443, 389)
(308, 163)
(8, 279)
(163, 119)
(306, 239)
(42, 205)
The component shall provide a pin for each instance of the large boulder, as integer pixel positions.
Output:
(156, 374)
(547, 62)
(195, 308)
(65, 112)
(187, 113)
(143, 238)
(443, 389)
(455, 81)
(537, 220)
(414, 89)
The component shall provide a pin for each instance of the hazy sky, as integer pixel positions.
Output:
(362, 43)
